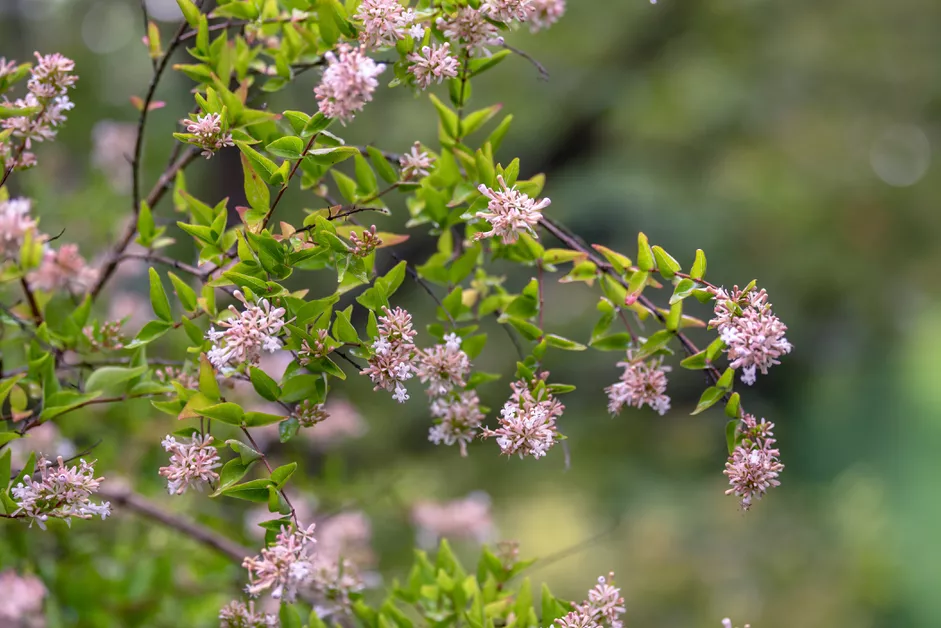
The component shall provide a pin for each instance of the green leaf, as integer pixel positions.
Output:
(709, 398)
(232, 472)
(612, 342)
(6, 437)
(731, 434)
(733, 409)
(527, 329)
(65, 401)
(265, 168)
(288, 616)
(564, 343)
(331, 155)
(7, 385)
(260, 419)
(246, 452)
(5, 469)
(645, 260)
(304, 386)
(184, 293)
(725, 382)
(683, 289)
(190, 12)
(449, 119)
(208, 385)
(256, 190)
(656, 342)
(287, 147)
(367, 185)
(343, 329)
(110, 377)
(382, 165)
(282, 474)
(288, 429)
(699, 265)
(150, 332)
(230, 413)
(253, 491)
(264, 385)
(666, 265)
(158, 297)
(695, 362)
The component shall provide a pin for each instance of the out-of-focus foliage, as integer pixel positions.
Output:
(795, 141)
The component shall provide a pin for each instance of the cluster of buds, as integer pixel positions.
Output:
(416, 164)
(602, 609)
(106, 337)
(433, 64)
(43, 108)
(309, 414)
(528, 420)
(237, 614)
(753, 335)
(366, 242)
(393, 353)
(642, 382)
(246, 334)
(754, 466)
(209, 133)
(62, 492)
(510, 212)
(64, 269)
(348, 83)
(193, 462)
(444, 369)
(385, 22)
(322, 347)
(168, 374)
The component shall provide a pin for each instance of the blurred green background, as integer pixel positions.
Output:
(793, 141)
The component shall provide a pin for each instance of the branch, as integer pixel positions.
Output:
(284, 188)
(31, 298)
(210, 538)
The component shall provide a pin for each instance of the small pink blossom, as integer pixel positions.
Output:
(753, 467)
(22, 598)
(366, 242)
(393, 353)
(444, 367)
(511, 212)
(284, 568)
(506, 10)
(544, 13)
(7, 67)
(433, 64)
(62, 492)
(642, 382)
(416, 164)
(603, 608)
(210, 133)
(528, 420)
(246, 334)
(193, 462)
(237, 614)
(753, 335)
(15, 223)
(467, 518)
(64, 269)
(458, 419)
(348, 83)
(51, 76)
(384, 22)
(469, 27)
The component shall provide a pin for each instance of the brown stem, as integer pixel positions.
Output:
(264, 460)
(210, 538)
(31, 298)
(284, 188)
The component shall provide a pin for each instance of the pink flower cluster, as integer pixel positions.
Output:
(208, 132)
(603, 608)
(544, 13)
(15, 223)
(470, 27)
(51, 77)
(444, 368)
(511, 212)
(506, 10)
(753, 335)
(193, 462)
(285, 568)
(391, 363)
(237, 614)
(433, 64)
(753, 467)
(348, 83)
(384, 22)
(62, 492)
(246, 334)
(466, 518)
(416, 164)
(642, 382)
(64, 269)
(21, 602)
(366, 242)
(104, 337)
(309, 414)
(528, 420)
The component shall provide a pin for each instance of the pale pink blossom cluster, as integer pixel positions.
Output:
(393, 353)
(284, 568)
(642, 382)
(334, 581)
(168, 374)
(15, 223)
(62, 492)
(208, 132)
(754, 466)
(104, 337)
(753, 335)
(22, 598)
(544, 13)
(348, 83)
(50, 79)
(346, 535)
(193, 461)
(433, 64)
(528, 421)
(64, 269)
(416, 164)
(237, 614)
(246, 334)
(511, 212)
(603, 608)
(470, 27)
(727, 623)
(506, 10)
(384, 22)
(112, 142)
(366, 242)
(444, 369)
(7, 67)
(466, 518)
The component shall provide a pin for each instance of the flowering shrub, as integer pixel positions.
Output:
(477, 209)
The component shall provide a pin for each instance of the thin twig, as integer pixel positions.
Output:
(31, 298)
(264, 460)
(284, 188)
(543, 72)
(208, 537)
